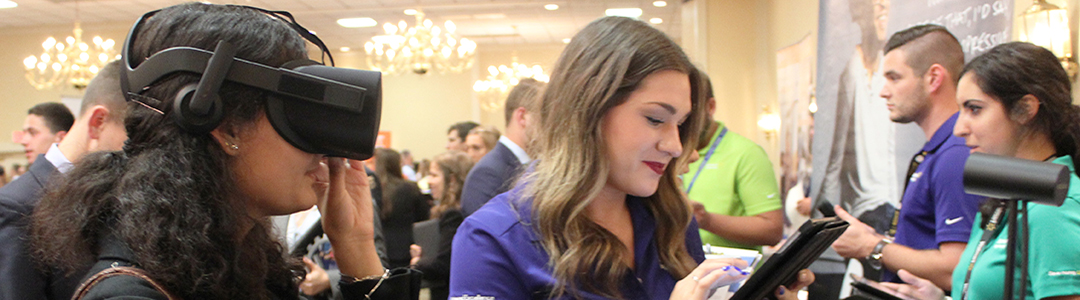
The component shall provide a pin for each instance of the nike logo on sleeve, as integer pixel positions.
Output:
(953, 221)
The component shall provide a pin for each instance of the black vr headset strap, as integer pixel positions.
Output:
(301, 86)
(129, 42)
(125, 55)
(304, 33)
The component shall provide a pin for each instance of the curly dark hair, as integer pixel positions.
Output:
(169, 194)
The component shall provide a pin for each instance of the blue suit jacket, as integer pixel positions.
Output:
(19, 276)
(492, 175)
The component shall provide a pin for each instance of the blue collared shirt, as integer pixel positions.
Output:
(935, 208)
(497, 253)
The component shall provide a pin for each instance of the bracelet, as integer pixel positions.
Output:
(349, 279)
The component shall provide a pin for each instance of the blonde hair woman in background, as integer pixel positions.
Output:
(599, 215)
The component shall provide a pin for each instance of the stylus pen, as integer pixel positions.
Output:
(734, 271)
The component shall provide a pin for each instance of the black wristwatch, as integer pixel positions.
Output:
(875, 256)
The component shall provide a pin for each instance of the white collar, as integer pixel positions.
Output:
(58, 160)
(517, 150)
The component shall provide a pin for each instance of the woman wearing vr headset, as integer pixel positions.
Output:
(1015, 100)
(187, 209)
(599, 215)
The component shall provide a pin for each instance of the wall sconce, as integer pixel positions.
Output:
(769, 122)
(1047, 25)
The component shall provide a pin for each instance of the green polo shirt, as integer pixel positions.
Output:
(1053, 258)
(738, 180)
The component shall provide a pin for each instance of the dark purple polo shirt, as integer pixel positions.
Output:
(935, 208)
(497, 254)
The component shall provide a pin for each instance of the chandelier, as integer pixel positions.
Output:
(419, 49)
(72, 62)
(500, 80)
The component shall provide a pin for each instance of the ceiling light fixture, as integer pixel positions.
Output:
(566, 41)
(8, 4)
(656, 20)
(623, 12)
(357, 22)
(410, 12)
(551, 6)
(71, 62)
(494, 89)
(659, 3)
(420, 48)
(345, 49)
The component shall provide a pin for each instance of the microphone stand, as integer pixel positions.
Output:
(1013, 208)
(1010, 256)
(1025, 235)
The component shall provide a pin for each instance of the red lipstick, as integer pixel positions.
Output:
(656, 167)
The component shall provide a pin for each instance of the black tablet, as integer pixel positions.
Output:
(873, 288)
(801, 249)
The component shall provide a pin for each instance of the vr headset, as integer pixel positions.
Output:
(316, 108)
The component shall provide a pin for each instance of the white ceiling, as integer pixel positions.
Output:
(488, 22)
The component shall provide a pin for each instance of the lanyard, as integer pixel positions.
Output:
(914, 165)
(712, 148)
(987, 233)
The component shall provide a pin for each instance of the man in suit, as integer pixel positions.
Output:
(455, 136)
(45, 124)
(99, 128)
(496, 171)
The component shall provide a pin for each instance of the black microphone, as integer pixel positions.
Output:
(1009, 178)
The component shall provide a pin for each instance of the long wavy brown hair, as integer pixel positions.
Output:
(597, 71)
(455, 166)
(388, 170)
